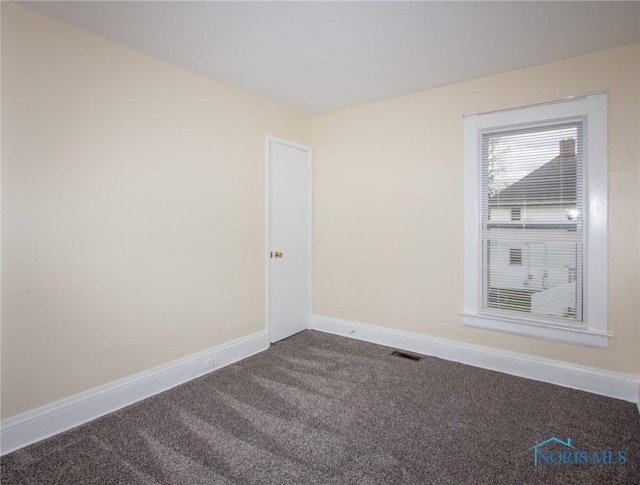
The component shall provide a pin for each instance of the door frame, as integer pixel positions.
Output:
(267, 257)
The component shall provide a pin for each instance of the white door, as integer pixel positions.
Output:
(288, 241)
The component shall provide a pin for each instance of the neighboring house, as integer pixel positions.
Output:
(529, 271)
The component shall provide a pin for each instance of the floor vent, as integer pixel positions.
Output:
(404, 355)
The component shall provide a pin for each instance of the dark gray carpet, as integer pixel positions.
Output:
(320, 409)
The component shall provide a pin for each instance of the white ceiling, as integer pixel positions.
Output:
(322, 56)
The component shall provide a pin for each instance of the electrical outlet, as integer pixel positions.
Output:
(210, 362)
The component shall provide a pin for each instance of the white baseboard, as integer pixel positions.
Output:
(606, 383)
(38, 424)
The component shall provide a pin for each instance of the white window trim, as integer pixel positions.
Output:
(595, 290)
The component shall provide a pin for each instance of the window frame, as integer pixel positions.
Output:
(592, 331)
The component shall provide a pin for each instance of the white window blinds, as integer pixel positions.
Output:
(532, 221)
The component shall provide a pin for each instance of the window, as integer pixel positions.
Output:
(515, 257)
(544, 275)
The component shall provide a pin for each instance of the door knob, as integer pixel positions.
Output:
(277, 254)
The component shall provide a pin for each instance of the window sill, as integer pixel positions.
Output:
(540, 330)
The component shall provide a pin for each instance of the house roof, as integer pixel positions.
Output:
(553, 182)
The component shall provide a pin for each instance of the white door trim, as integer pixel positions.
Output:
(267, 184)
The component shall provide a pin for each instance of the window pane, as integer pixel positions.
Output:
(515, 256)
(532, 221)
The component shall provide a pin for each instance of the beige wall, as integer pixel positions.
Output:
(132, 210)
(388, 210)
